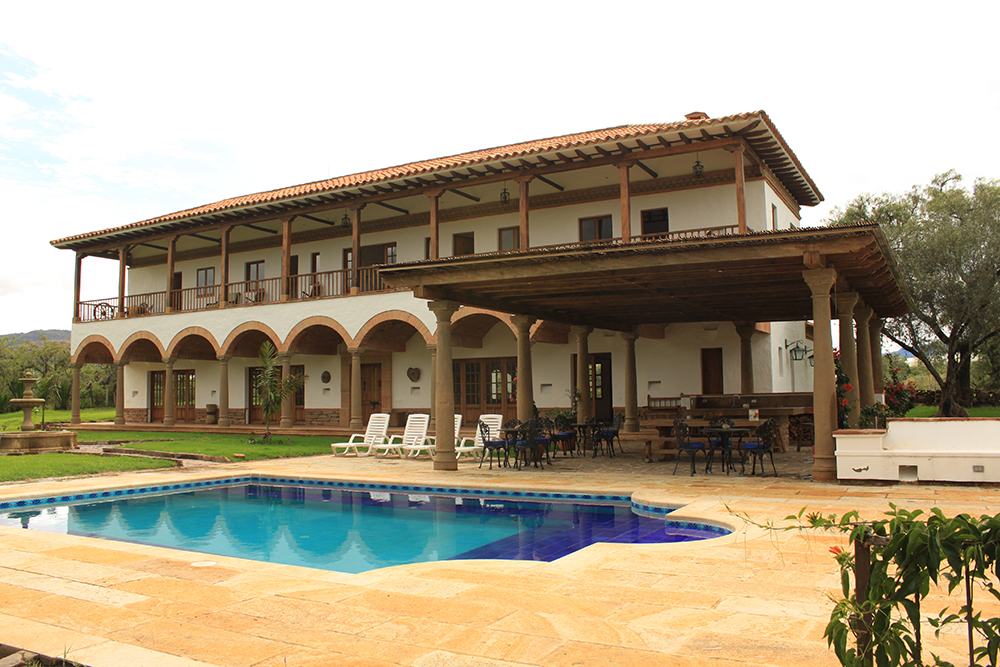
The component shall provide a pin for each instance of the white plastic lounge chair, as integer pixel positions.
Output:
(413, 439)
(474, 445)
(374, 434)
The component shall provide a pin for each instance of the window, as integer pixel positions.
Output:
(255, 270)
(314, 263)
(774, 216)
(463, 244)
(206, 281)
(655, 221)
(595, 229)
(510, 238)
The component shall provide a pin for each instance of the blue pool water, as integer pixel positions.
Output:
(351, 530)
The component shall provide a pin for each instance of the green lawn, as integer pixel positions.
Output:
(929, 410)
(38, 466)
(11, 421)
(220, 445)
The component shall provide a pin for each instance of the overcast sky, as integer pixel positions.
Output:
(115, 112)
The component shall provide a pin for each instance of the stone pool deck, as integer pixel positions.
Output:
(752, 598)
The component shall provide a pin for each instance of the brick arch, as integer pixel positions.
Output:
(466, 312)
(137, 338)
(192, 331)
(391, 316)
(96, 340)
(259, 327)
(316, 320)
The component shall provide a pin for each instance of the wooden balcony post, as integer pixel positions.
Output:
(171, 253)
(523, 208)
(626, 200)
(741, 197)
(435, 249)
(824, 377)
(122, 261)
(356, 253)
(224, 272)
(76, 286)
(286, 258)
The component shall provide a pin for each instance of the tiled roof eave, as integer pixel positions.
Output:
(328, 187)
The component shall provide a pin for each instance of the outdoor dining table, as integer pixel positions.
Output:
(725, 435)
(583, 431)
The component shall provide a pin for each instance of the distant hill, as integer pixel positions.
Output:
(36, 335)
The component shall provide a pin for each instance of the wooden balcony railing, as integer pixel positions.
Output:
(321, 285)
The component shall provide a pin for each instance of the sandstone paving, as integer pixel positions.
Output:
(755, 598)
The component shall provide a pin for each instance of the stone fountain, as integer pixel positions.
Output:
(29, 441)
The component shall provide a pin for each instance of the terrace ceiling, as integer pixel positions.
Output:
(755, 277)
(320, 203)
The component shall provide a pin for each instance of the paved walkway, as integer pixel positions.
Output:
(751, 598)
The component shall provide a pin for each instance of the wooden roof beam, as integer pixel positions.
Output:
(646, 169)
(392, 207)
(315, 219)
(152, 245)
(261, 229)
(603, 151)
(565, 158)
(205, 238)
(550, 182)
(583, 155)
(464, 194)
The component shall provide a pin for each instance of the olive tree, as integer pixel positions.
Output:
(946, 240)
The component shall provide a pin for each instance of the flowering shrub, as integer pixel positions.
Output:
(900, 396)
(843, 386)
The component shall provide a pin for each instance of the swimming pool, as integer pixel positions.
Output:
(350, 527)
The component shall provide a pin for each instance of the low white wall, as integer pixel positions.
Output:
(944, 450)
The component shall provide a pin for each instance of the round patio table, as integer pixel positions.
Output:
(725, 436)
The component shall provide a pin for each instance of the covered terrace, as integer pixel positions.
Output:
(744, 278)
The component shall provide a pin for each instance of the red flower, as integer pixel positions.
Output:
(843, 402)
(836, 551)
(848, 387)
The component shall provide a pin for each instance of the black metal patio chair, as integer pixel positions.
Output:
(493, 443)
(762, 444)
(685, 445)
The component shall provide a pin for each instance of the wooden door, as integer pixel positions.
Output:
(600, 386)
(184, 387)
(711, 370)
(485, 386)
(156, 381)
(255, 411)
(175, 291)
(371, 390)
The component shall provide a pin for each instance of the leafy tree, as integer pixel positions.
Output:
(270, 388)
(945, 239)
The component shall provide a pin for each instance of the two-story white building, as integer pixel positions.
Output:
(643, 260)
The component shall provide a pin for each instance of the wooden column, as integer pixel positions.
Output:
(122, 263)
(288, 404)
(119, 393)
(444, 390)
(525, 383)
(846, 302)
(77, 273)
(432, 424)
(741, 197)
(356, 421)
(523, 208)
(434, 197)
(866, 385)
(74, 417)
(878, 373)
(224, 389)
(631, 389)
(355, 252)
(171, 252)
(286, 260)
(583, 406)
(169, 398)
(626, 200)
(746, 331)
(824, 378)
(224, 274)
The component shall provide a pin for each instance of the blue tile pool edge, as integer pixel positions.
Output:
(643, 509)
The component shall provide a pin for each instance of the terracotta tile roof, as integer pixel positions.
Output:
(426, 167)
